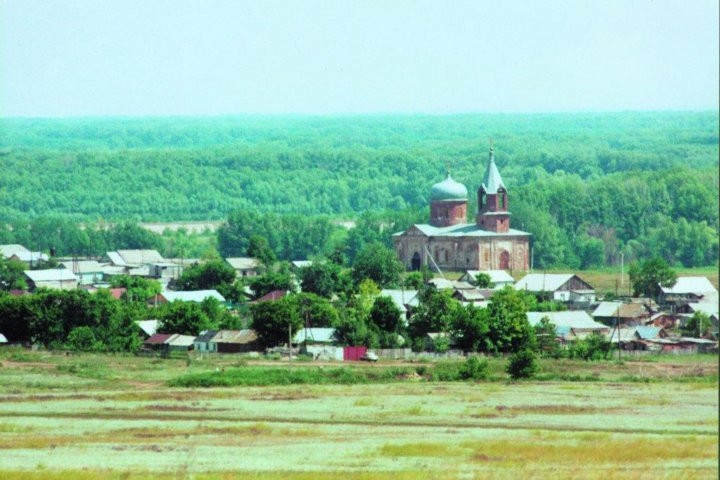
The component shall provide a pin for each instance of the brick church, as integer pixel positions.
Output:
(448, 242)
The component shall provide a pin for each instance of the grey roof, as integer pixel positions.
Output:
(148, 326)
(141, 257)
(401, 298)
(22, 253)
(444, 283)
(699, 285)
(205, 336)
(50, 275)
(493, 181)
(243, 263)
(543, 282)
(625, 334)
(572, 319)
(471, 295)
(448, 189)
(178, 340)
(116, 259)
(461, 230)
(317, 335)
(192, 295)
(496, 276)
(83, 266)
(12, 249)
(709, 308)
(606, 309)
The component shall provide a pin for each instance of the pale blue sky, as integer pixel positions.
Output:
(182, 57)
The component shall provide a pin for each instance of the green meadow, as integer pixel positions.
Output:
(100, 416)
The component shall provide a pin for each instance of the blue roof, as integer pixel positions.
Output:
(646, 333)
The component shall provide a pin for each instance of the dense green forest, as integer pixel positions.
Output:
(588, 186)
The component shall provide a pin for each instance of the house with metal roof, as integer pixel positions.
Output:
(133, 258)
(18, 252)
(498, 278)
(88, 272)
(244, 266)
(404, 300)
(689, 290)
(622, 312)
(569, 324)
(449, 242)
(203, 342)
(57, 278)
(562, 287)
(234, 341)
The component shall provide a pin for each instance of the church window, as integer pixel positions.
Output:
(446, 255)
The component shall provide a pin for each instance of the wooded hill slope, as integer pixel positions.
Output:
(584, 184)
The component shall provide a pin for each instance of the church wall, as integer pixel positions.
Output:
(465, 253)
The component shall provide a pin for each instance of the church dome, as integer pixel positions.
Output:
(448, 189)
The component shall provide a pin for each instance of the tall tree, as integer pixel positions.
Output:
(647, 277)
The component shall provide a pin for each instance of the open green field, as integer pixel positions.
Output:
(95, 416)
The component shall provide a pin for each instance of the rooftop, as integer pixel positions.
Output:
(461, 230)
(543, 282)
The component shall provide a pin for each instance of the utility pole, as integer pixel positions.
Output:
(289, 343)
(622, 269)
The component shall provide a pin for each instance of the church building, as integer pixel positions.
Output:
(449, 242)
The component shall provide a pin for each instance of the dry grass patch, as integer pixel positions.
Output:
(597, 449)
(422, 449)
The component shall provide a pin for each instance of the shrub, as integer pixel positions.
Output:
(521, 364)
(474, 368)
(593, 347)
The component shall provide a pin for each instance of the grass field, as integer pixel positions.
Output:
(95, 416)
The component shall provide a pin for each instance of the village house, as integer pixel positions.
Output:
(569, 324)
(405, 300)
(318, 342)
(203, 342)
(244, 266)
(688, 290)
(57, 278)
(562, 287)
(233, 341)
(639, 338)
(89, 272)
(626, 314)
(131, 259)
(22, 254)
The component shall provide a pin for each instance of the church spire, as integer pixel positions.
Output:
(493, 181)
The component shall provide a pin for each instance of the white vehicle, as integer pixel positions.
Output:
(369, 357)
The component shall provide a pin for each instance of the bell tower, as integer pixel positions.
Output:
(492, 210)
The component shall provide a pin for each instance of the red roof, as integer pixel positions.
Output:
(274, 295)
(158, 338)
(19, 293)
(117, 292)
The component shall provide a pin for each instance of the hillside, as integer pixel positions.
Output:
(586, 185)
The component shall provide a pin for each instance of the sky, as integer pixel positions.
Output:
(62, 58)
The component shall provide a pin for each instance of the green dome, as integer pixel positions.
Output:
(448, 189)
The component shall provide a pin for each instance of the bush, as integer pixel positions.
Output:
(521, 365)
(593, 347)
(474, 369)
